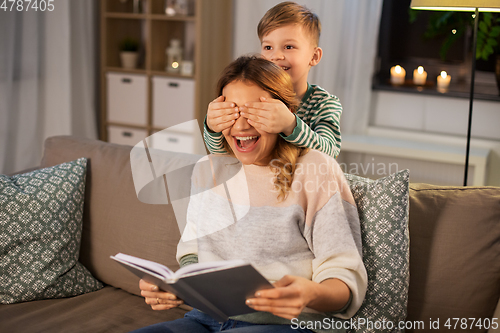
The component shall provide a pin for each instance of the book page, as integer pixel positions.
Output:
(151, 266)
(207, 266)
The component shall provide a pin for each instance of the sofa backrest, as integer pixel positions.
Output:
(114, 219)
(454, 253)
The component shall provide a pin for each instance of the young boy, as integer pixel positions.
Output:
(289, 35)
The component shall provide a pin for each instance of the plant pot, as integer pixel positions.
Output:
(129, 59)
(497, 72)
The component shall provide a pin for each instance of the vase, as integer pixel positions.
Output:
(497, 72)
(129, 59)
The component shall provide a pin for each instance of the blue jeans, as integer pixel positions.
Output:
(196, 321)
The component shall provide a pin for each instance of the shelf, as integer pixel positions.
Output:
(482, 91)
(126, 71)
(203, 35)
(128, 16)
(167, 74)
(164, 17)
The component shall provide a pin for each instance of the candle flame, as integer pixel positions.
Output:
(420, 69)
(444, 75)
(398, 69)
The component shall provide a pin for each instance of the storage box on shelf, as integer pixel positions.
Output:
(138, 102)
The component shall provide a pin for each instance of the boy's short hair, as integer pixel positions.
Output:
(286, 13)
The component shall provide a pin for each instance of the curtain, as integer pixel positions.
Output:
(349, 42)
(47, 79)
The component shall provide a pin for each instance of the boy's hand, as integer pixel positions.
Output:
(221, 115)
(269, 115)
(289, 297)
(159, 300)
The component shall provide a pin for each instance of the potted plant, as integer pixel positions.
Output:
(129, 48)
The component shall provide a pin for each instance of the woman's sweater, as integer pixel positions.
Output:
(234, 213)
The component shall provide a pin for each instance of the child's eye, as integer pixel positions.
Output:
(288, 47)
(267, 47)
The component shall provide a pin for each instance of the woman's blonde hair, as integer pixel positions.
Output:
(278, 84)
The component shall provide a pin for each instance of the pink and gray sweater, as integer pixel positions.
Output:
(314, 233)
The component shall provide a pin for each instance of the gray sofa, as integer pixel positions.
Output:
(454, 251)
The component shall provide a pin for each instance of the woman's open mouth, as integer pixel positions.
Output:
(285, 68)
(246, 144)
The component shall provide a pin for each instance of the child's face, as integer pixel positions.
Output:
(292, 49)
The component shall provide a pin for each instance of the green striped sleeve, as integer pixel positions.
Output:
(188, 259)
(214, 141)
(318, 123)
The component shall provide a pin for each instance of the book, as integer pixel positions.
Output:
(219, 288)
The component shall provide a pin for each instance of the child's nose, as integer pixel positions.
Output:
(277, 55)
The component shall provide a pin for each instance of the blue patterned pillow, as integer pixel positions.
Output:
(383, 207)
(40, 231)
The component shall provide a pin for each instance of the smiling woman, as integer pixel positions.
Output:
(299, 229)
(246, 80)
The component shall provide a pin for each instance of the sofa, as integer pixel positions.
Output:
(454, 253)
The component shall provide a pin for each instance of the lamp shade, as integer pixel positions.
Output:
(457, 5)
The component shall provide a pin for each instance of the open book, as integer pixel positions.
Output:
(217, 288)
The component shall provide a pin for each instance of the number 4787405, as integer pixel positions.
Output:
(26, 5)
(470, 323)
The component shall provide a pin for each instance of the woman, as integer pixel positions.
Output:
(296, 221)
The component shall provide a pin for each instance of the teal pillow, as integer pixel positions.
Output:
(40, 231)
(383, 207)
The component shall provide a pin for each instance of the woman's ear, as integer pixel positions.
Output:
(318, 53)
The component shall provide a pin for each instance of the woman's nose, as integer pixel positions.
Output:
(241, 124)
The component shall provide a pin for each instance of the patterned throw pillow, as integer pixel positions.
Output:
(383, 207)
(40, 230)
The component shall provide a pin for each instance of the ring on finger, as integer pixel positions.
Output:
(157, 300)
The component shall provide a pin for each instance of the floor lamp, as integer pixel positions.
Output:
(464, 6)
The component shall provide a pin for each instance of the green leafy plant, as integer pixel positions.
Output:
(488, 35)
(129, 44)
(453, 25)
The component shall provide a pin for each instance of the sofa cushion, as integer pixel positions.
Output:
(455, 252)
(107, 310)
(40, 233)
(383, 214)
(114, 220)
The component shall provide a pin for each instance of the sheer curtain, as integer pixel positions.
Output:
(47, 79)
(348, 39)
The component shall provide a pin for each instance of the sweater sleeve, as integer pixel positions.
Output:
(213, 140)
(323, 133)
(334, 237)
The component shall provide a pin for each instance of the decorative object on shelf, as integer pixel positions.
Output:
(398, 75)
(174, 56)
(170, 7)
(443, 82)
(129, 48)
(419, 76)
(187, 68)
(182, 7)
(176, 7)
(465, 5)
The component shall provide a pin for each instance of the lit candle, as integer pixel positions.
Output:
(419, 76)
(398, 74)
(443, 82)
